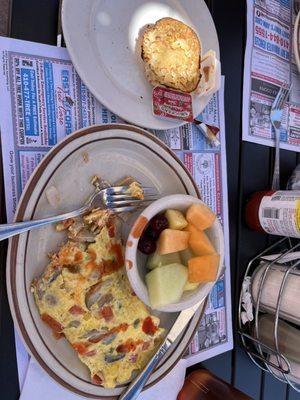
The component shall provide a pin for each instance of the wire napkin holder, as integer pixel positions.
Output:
(258, 351)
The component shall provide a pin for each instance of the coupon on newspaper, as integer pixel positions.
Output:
(43, 100)
(270, 63)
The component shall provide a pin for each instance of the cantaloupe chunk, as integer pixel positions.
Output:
(200, 216)
(171, 240)
(203, 268)
(176, 219)
(199, 242)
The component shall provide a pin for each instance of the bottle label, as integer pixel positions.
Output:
(279, 214)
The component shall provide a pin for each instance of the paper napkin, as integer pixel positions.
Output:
(38, 385)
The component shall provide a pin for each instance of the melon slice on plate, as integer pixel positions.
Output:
(172, 240)
(199, 242)
(165, 284)
(203, 268)
(200, 216)
(157, 260)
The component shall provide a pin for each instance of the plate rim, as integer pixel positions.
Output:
(168, 123)
(296, 42)
(11, 262)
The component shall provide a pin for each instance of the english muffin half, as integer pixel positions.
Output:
(171, 52)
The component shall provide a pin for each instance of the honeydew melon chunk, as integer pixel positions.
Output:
(165, 284)
(190, 286)
(176, 219)
(157, 260)
(186, 255)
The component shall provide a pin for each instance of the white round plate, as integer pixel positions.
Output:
(101, 37)
(112, 152)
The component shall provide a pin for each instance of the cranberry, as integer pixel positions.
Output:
(146, 245)
(159, 223)
(150, 233)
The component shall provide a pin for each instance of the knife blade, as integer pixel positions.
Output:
(181, 322)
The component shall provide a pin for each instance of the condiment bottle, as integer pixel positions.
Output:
(275, 212)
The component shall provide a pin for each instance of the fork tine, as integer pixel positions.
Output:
(119, 210)
(281, 97)
(128, 197)
(277, 99)
(284, 98)
(128, 207)
(122, 190)
(116, 190)
(124, 203)
(278, 95)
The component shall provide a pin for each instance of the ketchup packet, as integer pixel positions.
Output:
(171, 104)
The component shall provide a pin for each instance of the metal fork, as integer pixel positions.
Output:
(114, 198)
(276, 117)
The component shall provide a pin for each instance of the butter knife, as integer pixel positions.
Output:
(136, 386)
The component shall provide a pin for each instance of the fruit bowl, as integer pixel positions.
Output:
(136, 262)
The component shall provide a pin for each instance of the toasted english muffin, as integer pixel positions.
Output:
(171, 53)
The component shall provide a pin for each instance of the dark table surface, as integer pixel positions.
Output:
(249, 169)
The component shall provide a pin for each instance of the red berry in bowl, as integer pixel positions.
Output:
(149, 232)
(146, 245)
(159, 223)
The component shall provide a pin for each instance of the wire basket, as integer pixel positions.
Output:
(258, 351)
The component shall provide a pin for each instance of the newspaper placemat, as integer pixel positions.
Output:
(269, 62)
(42, 99)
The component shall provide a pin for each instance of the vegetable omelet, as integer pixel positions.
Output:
(85, 296)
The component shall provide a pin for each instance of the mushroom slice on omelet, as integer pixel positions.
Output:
(84, 296)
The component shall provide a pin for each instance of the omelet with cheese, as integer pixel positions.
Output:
(84, 295)
(171, 52)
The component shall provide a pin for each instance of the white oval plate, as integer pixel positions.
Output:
(101, 39)
(112, 152)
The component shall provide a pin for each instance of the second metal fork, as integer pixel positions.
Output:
(276, 117)
(115, 198)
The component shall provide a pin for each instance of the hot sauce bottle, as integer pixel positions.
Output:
(275, 212)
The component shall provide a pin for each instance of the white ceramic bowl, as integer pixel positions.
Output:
(136, 261)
